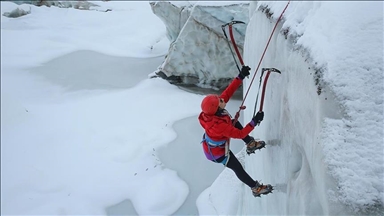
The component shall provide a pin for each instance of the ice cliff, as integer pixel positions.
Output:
(323, 114)
(323, 119)
(199, 54)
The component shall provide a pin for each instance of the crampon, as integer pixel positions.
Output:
(261, 189)
(255, 145)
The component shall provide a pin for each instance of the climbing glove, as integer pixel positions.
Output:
(257, 118)
(244, 72)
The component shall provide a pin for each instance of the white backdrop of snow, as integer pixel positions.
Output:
(76, 152)
(325, 153)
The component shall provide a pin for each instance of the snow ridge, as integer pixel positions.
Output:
(349, 65)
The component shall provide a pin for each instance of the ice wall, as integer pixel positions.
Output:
(293, 112)
(307, 157)
(323, 115)
(199, 54)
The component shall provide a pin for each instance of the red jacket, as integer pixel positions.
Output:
(220, 128)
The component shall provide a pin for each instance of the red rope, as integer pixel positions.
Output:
(261, 59)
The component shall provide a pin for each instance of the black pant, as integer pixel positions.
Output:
(236, 166)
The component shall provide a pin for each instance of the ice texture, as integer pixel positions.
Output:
(199, 54)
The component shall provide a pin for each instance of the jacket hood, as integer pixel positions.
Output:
(207, 121)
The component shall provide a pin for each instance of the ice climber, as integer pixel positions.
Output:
(219, 128)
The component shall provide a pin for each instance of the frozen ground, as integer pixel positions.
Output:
(73, 137)
(79, 128)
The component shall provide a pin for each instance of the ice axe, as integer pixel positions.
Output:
(233, 41)
(269, 70)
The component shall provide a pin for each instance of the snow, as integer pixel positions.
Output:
(325, 152)
(336, 137)
(207, 3)
(75, 147)
(355, 74)
(82, 126)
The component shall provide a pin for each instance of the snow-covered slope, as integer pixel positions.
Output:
(82, 5)
(76, 151)
(324, 113)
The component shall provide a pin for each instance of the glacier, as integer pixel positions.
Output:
(323, 115)
(199, 54)
(335, 165)
(316, 170)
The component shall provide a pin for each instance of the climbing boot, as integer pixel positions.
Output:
(261, 189)
(254, 145)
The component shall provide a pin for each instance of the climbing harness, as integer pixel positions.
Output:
(211, 142)
(216, 144)
(258, 66)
